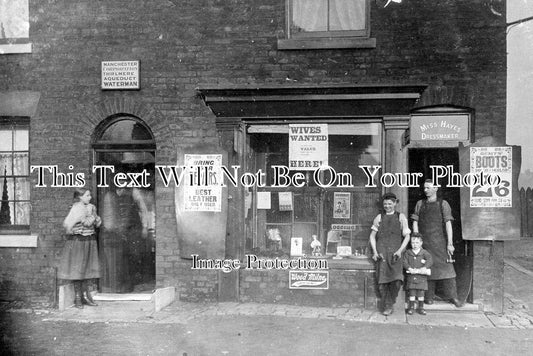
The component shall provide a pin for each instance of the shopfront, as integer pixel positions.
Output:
(321, 153)
(373, 146)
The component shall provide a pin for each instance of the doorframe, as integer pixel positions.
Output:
(122, 146)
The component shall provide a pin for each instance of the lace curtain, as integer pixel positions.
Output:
(18, 187)
(317, 15)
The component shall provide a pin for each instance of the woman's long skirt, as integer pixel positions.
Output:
(79, 258)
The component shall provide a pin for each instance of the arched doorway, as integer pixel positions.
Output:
(127, 235)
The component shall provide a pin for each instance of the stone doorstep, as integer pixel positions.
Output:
(159, 299)
(111, 297)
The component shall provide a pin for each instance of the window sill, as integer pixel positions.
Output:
(18, 240)
(15, 48)
(326, 43)
(347, 263)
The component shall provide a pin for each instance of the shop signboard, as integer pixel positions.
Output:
(308, 146)
(344, 227)
(308, 279)
(120, 75)
(440, 127)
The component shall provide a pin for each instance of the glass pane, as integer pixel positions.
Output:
(278, 238)
(7, 213)
(126, 130)
(21, 162)
(309, 15)
(306, 207)
(347, 15)
(109, 158)
(7, 189)
(305, 231)
(22, 213)
(22, 189)
(274, 215)
(6, 140)
(348, 152)
(6, 164)
(138, 157)
(21, 139)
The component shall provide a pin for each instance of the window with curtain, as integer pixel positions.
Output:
(328, 18)
(14, 175)
(14, 27)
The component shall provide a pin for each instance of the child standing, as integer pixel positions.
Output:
(417, 263)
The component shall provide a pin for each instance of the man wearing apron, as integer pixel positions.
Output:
(389, 238)
(433, 219)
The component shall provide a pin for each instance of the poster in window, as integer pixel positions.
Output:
(341, 205)
(14, 26)
(296, 246)
(285, 201)
(205, 192)
(493, 161)
(308, 146)
(263, 200)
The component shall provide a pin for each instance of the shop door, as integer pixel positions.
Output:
(127, 236)
(420, 160)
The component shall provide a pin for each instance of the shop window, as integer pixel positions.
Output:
(344, 210)
(14, 172)
(327, 24)
(14, 27)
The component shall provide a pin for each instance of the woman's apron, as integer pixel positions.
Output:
(388, 241)
(431, 226)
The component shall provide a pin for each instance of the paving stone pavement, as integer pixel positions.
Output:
(181, 313)
(517, 315)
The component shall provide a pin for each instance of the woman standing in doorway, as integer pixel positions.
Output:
(79, 258)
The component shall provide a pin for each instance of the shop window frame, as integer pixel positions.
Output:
(255, 233)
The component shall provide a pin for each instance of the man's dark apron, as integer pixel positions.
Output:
(388, 241)
(431, 227)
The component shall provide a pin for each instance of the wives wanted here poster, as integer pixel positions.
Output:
(308, 146)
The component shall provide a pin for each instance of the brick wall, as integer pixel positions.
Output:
(456, 47)
(193, 285)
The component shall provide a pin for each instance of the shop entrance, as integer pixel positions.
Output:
(420, 160)
(127, 236)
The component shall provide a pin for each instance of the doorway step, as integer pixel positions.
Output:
(154, 301)
(114, 297)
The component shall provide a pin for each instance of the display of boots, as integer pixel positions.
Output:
(77, 295)
(86, 297)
